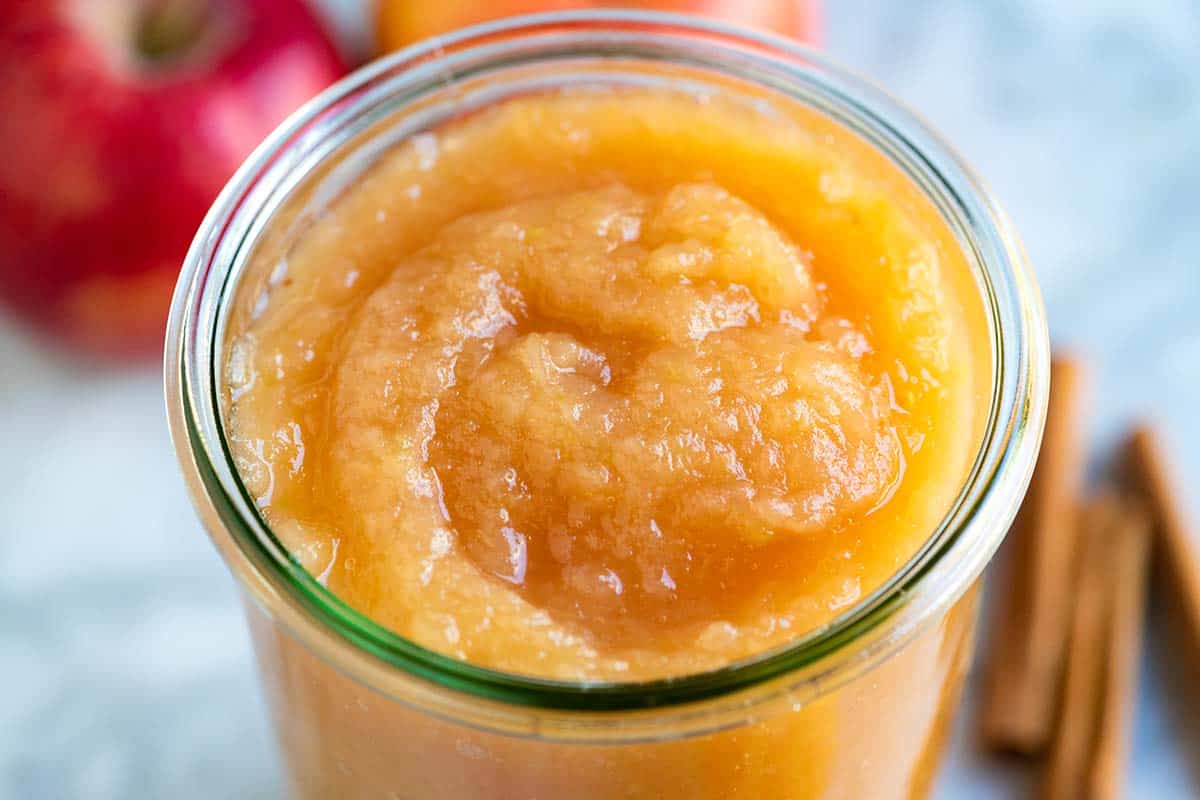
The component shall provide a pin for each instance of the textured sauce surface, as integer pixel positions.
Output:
(611, 384)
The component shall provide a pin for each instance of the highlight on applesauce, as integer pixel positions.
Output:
(611, 383)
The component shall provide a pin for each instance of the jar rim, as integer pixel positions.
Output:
(953, 555)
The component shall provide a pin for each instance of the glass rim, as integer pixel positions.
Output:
(952, 556)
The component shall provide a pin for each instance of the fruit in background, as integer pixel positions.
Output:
(122, 120)
(403, 22)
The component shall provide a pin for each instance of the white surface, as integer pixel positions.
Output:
(126, 668)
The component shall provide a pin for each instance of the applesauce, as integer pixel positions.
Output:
(611, 384)
(617, 438)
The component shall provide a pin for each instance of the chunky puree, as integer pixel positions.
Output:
(612, 384)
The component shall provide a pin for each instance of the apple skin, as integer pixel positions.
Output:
(404, 22)
(110, 161)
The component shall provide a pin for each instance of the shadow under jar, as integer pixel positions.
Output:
(641, 132)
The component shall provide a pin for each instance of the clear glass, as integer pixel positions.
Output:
(858, 708)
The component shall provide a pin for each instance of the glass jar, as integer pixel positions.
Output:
(858, 708)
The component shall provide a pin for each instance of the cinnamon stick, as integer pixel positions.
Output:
(1079, 712)
(1176, 548)
(1034, 614)
(1129, 557)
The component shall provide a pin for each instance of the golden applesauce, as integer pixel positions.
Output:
(612, 384)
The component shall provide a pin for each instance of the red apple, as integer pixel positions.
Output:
(403, 22)
(121, 120)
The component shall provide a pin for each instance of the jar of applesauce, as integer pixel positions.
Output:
(607, 405)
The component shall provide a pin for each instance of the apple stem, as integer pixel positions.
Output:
(167, 29)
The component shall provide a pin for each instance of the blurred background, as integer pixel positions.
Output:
(126, 665)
